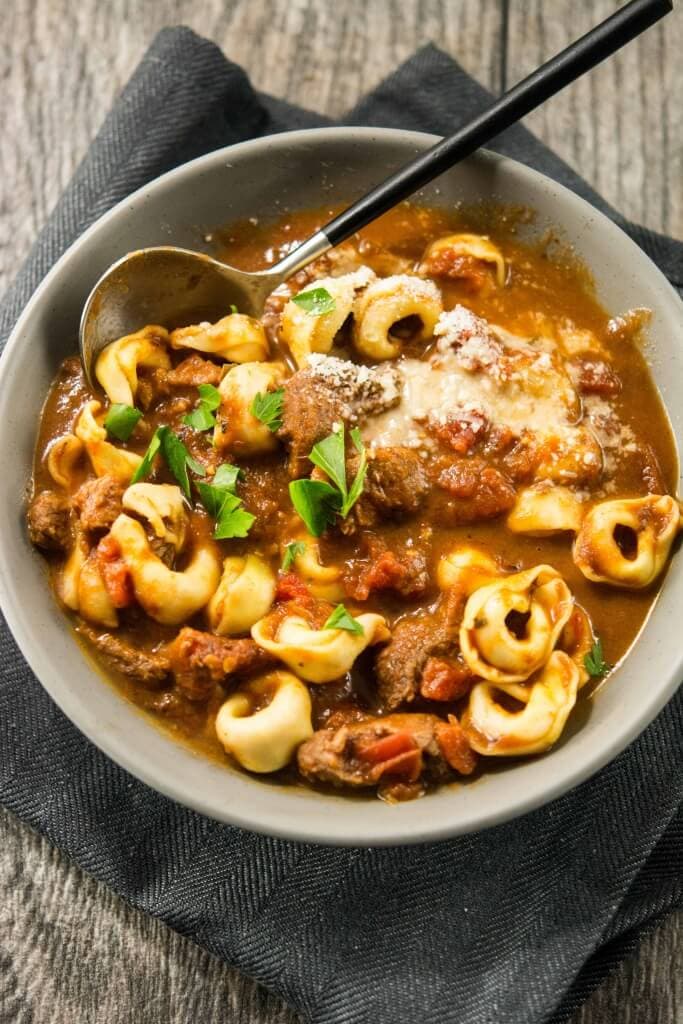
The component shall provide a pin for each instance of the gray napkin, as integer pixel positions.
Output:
(514, 925)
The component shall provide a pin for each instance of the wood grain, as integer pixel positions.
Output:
(70, 950)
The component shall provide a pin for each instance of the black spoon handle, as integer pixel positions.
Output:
(588, 51)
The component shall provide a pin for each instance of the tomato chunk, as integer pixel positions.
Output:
(115, 574)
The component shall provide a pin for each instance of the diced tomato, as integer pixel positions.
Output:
(386, 748)
(445, 680)
(114, 571)
(455, 747)
(291, 587)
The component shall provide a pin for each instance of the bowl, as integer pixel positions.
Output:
(264, 178)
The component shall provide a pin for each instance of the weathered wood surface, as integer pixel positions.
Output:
(71, 951)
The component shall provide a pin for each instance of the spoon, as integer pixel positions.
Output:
(166, 285)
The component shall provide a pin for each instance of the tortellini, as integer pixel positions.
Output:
(318, 655)
(163, 507)
(545, 509)
(304, 332)
(117, 366)
(80, 586)
(168, 596)
(63, 457)
(106, 458)
(236, 338)
(323, 581)
(577, 641)
(493, 730)
(466, 568)
(453, 247)
(386, 302)
(511, 626)
(266, 739)
(626, 542)
(245, 595)
(236, 428)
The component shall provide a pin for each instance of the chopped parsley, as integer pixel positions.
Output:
(292, 552)
(318, 502)
(316, 301)
(121, 420)
(268, 408)
(343, 619)
(202, 418)
(175, 455)
(221, 502)
(233, 308)
(594, 662)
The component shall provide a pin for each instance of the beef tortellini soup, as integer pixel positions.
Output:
(387, 535)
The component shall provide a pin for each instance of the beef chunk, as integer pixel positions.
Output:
(595, 377)
(446, 679)
(200, 660)
(194, 371)
(49, 521)
(98, 502)
(310, 409)
(479, 490)
(148, 667)
(396, 485)
(405, 573)
(395, 752)
(332, 391)
(416, 638)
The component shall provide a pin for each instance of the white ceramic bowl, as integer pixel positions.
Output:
(264, 178)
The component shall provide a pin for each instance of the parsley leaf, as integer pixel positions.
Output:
(316, 502)
(221, 502)
(233, 308)
(315, 301)
(292, 552)
(145, 466)
(330, 456)
(202, 418)
(268, 408)
(343, 619)
(594, 661)
(121, 420)
(176, 457)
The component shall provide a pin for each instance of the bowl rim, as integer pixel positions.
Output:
(315, 828)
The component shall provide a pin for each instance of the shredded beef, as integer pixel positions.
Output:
(148, 667)
(98, 502)
(49, 521)
(415, 638)
(200, 660)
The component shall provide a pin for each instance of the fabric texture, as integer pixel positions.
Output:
(513, 925)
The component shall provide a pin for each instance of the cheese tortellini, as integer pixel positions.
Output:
(448, 250)
(81, 588)
(245, 595)
(266, 739)
(236, 427)
(236, 338)
(105, 458)
(626, 542)
(493, 730)
(323, 581)
(386, 302)
(545, 509)
(63, 458)
(318, 655)
(168, 596)
(163, 507)
(117, 366)
(304, 332)
(511, 626)
(466, 568)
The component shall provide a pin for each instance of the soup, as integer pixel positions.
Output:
(384, 537)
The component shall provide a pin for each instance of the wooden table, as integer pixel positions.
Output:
(70, 951)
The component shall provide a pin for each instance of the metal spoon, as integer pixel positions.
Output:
(165, 285)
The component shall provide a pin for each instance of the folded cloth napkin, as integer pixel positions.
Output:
(515, 924)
